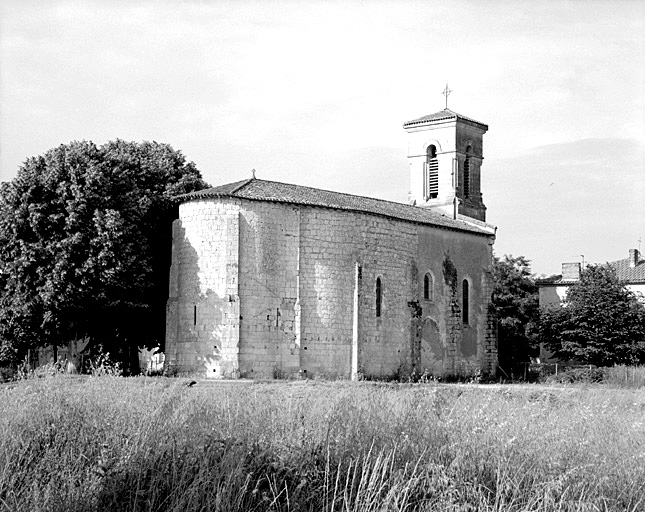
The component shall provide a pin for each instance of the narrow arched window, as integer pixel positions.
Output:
(379, 296)
(428, 286)
(431, 184)
(469, 151)
(465, 309)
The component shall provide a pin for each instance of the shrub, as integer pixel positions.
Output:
(577, 375)
(101, 365)
(7, 373)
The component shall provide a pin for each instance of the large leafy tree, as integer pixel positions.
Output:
(515, 300)
(85, 232)
(601, 321)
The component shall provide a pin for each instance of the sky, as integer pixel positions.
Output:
(315, 93)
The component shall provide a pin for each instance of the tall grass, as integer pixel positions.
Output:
(625, 376)
(154, 444)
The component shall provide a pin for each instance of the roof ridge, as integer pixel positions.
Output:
(341, 193)
(244, 184)
(275, 191)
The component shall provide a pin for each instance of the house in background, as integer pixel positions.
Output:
(630, 272)
(553, 290)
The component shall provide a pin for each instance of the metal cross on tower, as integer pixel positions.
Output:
(446, 92)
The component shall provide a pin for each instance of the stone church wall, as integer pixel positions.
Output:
(332, 243)
(262, 289)
(202, 326)
(269, 252)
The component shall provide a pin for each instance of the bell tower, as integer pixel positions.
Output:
(445, 155)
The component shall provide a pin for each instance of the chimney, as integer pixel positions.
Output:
(570, 271)
(634, 257)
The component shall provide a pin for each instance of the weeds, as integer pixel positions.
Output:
(154, 444)
(618, 376)
(101, 365)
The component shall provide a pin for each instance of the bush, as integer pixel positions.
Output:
(7, 373)
(577, 375)
(619, 376)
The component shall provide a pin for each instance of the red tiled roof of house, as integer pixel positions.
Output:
(440, 116)
(262, 190)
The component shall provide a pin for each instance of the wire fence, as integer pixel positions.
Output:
(534, 371)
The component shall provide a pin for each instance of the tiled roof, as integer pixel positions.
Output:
(625, 273)
(629, 274)
(440, 116)
(555, 280)
(273, 191)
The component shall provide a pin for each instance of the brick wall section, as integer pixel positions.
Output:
(274, 286)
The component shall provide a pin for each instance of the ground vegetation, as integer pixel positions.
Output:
(156, 444)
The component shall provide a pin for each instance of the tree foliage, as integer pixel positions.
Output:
(601, 321)
(515, 299)
(85, 232)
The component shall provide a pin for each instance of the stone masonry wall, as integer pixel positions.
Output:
(269, 309)
(332, 242)
(450, 258)
(202, 333)
(275, 285)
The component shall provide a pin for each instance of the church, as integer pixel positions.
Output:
(277, 280)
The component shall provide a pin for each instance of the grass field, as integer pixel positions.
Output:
(155, 444)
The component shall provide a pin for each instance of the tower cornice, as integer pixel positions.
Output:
(446, 115)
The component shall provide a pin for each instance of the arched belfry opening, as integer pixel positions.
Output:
(431, 179)
(445, 156)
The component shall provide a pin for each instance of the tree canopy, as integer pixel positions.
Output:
(601, 321)
(515, 299)
(85, 232)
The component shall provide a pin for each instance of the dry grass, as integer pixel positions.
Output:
(155, 444)
(625, 376)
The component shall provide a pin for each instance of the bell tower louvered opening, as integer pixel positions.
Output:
(431, 174)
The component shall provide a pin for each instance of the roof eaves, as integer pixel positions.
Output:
(444, 115)
(418, 122)
(467, 228)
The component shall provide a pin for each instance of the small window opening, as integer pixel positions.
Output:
(431, 182)
(379, 296)
(427, 287)
(195, 314)
(465, 310)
